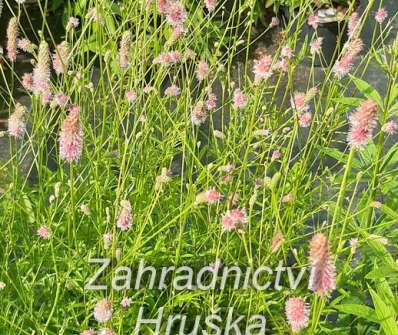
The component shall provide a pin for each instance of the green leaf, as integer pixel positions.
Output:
(367, 90)
(385, 313)
(340, 156)
(361, 311)
(384, 271)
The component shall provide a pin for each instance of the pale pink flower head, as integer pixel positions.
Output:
(172, 91)
(304, 119)
(163, 5)
(297, 314)
(168, 58)
(126, 302)
(299, 102)
(276, 154)
(390, 128)
(210, 5)
(274, 22)
(234, 219)
(381, 15)
(362, 123)
(125, 219)
(106, 331)
(16, 122)
(202, 70)
(211, 101)
(61, 58)
(177, 32)
(44, 232)
(353, 25)
(199, 114)
(27, 81)
(287, 52)
(88, 332)
(73, 22)
(282, 65)
(210, 197)
(313, 21)
(12, 39)
(131, 96)
(103, 310)
(175, 13)
(323, 271)
(239, 99)
(71, 136)
(25, 45)
(60, 100)
(262, 68)
(316, 45)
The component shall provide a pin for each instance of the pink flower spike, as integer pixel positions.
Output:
(313, 21)
(234, 219)
(283, 65)
(199, 114)
(172, 91)
(381, 15)
(316, 46)
(390, 128)
(210, 197)
(60, 100)
(297, 314)
(239, 99)
(44, 232)
(163, 6)
(287, 52)
(323, 271)
(276, 154)
(210, 5)
(175, 13)
(274, 22)
(353, 25)
(126, 302)
(27, 81)
(202, 70)
(211, 102)
(88, 332)
(103, 310)
(168, 58)
(125, 219)
(304, 119)
(12, 39)
(131, 96)
(106, 331)
(71, 136)
(262, 68)
(16, 122)
(362, 123)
